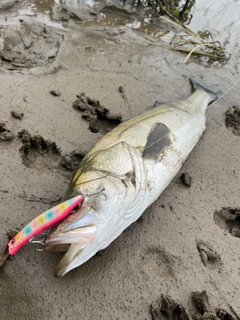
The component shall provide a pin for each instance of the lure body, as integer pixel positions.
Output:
(42, 222)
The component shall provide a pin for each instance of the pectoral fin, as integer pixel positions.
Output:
(158, 140)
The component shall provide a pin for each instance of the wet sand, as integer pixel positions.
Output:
(180, 260)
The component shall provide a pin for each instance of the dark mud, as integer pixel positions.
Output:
(99, 117)
(232, 120)
(6, 133)
(55, 93)
(200, 309)
(122, 92)
(28, 45)
(186, 179)
(228, 219)
(17, 115)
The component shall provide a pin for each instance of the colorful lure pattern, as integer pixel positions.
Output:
(42, 222)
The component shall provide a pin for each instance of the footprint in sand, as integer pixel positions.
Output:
(43, 155)
(232, 120)
(228, 219)
(199, 309)
(29, 45)
(5, 131)
(157, 262)
(37, 152)
(210, 258)
(167, 309)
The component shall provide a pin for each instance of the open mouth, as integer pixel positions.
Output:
(73, 235)
(80, 227)
(63, 240)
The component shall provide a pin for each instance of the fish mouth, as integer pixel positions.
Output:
(73, 235)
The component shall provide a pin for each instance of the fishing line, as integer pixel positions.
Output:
(224, 94)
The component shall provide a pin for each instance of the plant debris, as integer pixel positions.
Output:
(199, 44)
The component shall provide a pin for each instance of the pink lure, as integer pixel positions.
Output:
(42, 222)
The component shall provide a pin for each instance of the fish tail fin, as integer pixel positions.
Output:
(198, 84)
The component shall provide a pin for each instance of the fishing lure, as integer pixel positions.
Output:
(42, 222)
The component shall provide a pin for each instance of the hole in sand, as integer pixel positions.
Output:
(229, 220)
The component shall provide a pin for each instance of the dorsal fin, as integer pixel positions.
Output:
(157, 140)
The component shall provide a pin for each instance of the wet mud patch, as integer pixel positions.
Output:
(100, 118)
(37, 152)
(28, 46)
(63, 13)
(8, 4)
(199, 309)
(6, 133)
(210, 258)
(228, 219)
(232, 120)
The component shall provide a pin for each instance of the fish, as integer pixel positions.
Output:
(119, 178)
(125, 172)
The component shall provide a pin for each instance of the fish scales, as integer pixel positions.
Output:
(133, 164)
(124, 173)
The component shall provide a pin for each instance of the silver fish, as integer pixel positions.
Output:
(125, 172)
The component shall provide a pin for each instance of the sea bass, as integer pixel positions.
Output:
(121, 176)
(125, 172)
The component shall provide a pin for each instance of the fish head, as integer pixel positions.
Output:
(94, 224)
